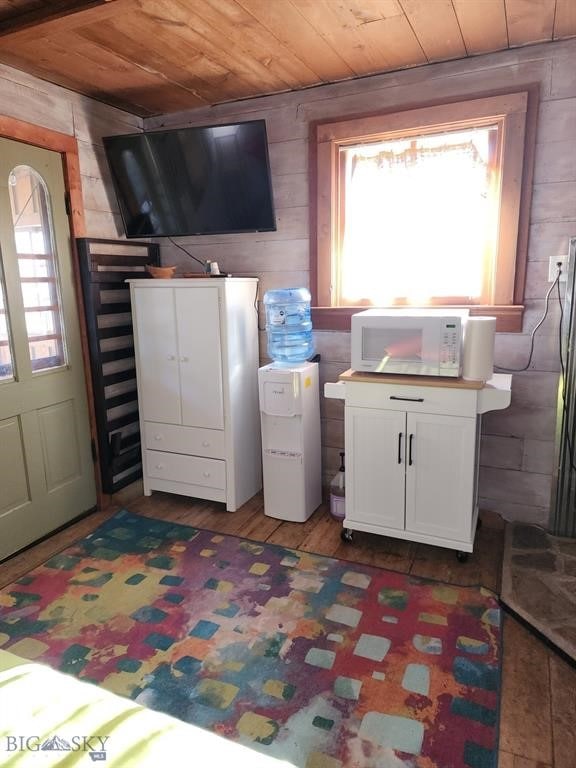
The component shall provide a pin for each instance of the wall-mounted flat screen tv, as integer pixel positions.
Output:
(203, 180)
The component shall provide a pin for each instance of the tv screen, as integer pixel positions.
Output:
(204, 180)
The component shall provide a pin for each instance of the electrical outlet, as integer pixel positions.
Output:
(553, 268)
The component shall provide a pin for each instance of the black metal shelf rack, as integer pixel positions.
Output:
(105, 265)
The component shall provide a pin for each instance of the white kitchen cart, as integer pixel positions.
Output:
(412, 454)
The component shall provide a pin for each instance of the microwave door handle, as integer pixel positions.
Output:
(407, 399)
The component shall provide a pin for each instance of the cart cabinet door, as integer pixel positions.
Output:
(375, 452)
(440, 461)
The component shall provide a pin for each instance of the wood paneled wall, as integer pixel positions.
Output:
(34, 101)
(518, 444)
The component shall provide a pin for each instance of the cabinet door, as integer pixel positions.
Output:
(200, 357)
(375, 466)
(157, 354)
(440, 475)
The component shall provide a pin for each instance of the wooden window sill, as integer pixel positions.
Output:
(508, 318)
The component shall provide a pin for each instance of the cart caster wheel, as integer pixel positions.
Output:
(462, 557)
(347, 535)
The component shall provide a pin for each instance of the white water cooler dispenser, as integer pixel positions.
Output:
(290, 423)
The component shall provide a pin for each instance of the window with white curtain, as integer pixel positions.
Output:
(418, 219)
(422, 207)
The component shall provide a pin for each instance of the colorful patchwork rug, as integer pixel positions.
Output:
(320, 662)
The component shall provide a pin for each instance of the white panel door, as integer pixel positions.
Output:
(200, 357)
(157, 354)
(440, 475)
(46, 466)
(375, 452)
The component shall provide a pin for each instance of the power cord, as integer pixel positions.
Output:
(188, 253)
(563, 364)
(539, 323)
(256, 308)
(563, 368)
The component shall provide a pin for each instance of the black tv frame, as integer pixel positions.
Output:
(122, 191)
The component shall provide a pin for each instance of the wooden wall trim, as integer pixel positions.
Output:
(66, 145)
(19, 130)
(530, 130)
(414, 119)
(508, 318)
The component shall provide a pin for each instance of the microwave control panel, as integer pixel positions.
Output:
(450, 347)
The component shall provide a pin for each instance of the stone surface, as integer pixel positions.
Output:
(529, 537)
(540, 561)
(539, 582)
(566, 546)
(569, 635)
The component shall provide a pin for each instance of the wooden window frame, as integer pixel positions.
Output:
(516, 114)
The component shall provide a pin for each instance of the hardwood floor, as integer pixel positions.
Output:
(538, 704)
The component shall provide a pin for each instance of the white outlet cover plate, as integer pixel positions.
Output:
(553, 269)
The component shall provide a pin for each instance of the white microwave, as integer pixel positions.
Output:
(425, 342)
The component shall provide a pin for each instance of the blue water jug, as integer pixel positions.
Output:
(288, 325)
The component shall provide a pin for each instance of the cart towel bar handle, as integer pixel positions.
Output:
(409, 399)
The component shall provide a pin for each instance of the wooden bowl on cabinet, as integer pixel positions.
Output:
(160, 272)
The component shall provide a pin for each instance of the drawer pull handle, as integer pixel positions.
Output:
(410, 462)
(206, 474)
(407, 399)
(399, 447)
(205, 444)
(158, 437)
(171, 357)
(184, 359)
(159, 466)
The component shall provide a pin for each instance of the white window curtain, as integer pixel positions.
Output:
(416, 218)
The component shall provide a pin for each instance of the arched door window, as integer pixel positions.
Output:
(6, 355)
(37, 268)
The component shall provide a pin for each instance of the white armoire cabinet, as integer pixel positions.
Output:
(196, 344)
(412, 455)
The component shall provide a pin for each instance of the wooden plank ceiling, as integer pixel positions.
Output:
(157, 56)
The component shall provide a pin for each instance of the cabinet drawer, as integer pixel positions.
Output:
(186, 469)
(191, 440)
(450, 401)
